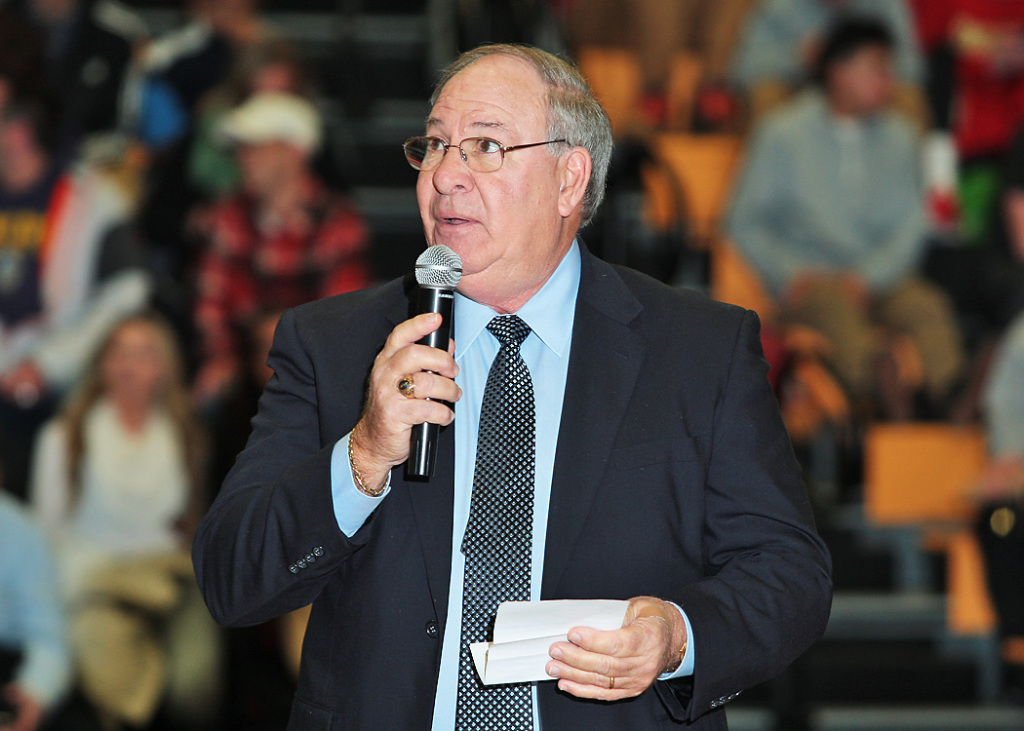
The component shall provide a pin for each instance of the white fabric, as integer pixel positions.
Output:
(134, 486)
(77, 310)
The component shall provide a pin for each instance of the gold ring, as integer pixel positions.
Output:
(406, 387)
(611, 685)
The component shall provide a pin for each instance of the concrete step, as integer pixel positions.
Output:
(750, 719)
(887, 615)
(932, 718)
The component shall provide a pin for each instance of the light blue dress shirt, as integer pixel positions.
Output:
(31, 616)
(549, 313)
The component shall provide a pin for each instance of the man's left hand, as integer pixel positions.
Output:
(622, 663)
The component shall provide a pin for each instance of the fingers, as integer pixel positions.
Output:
(609, 665)
(426, 385)
(408, 333)
(381, 438)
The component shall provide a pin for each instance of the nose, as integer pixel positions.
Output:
(453, 174)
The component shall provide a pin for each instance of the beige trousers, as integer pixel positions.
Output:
(859, 332)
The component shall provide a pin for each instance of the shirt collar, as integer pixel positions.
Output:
(549, 313)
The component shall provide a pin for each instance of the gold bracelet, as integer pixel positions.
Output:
(682, 652)
(358, 477)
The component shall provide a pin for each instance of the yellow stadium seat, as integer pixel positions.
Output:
(919, 474)
(706, 166)
(614, 75)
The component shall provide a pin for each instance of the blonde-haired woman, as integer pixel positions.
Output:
(116, 483)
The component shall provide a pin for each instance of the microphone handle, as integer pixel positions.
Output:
(423, 441)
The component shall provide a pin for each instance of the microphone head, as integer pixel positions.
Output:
(438, 267)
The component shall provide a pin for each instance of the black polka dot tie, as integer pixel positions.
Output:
(498, 541)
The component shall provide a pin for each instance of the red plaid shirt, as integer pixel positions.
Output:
(247, 267)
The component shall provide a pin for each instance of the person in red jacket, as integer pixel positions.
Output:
(283, 240)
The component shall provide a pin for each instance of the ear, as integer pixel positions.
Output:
(574, 174)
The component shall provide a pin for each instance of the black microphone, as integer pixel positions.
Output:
(438, 270)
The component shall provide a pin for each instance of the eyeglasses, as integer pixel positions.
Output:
(481, 154)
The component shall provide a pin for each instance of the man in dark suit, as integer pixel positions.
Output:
(661, 470)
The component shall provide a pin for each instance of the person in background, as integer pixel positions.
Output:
(116, 484)
(777, 51)
(657, 31)
(69, 270)
(830, 213)
(284, 239)
(1000, 525)
(35, 659)
(88, 53)
(272, 66)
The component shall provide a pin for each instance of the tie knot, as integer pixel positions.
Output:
(509, 329)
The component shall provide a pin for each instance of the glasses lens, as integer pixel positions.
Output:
(415, 151)
(483, 153)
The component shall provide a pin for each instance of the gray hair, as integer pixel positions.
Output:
(573, 112)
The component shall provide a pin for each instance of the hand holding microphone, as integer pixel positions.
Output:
(412, 381)
(438, 270)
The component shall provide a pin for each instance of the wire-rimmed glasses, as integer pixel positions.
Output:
(481, 154)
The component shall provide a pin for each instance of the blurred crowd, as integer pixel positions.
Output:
(164, 198)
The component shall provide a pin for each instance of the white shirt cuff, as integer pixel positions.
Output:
(685, 668)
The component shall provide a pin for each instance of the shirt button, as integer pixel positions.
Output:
(432, 629)
(318, 551)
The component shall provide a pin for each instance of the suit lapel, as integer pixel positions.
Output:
(604, 363)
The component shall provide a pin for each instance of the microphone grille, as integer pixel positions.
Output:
(438, 266)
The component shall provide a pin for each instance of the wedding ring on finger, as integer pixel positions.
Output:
(611, 683)
(407, 387)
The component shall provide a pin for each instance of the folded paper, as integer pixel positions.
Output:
(525, 631)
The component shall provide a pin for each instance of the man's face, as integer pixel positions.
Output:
(512, 226)
(863, 83)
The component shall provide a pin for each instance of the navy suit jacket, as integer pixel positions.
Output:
(674, 477)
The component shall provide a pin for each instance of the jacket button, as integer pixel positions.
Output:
(294, 569)
(432, 629)
(318, 551)
(300, 563)
(310, 558)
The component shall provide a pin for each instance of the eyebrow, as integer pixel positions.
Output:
(485, 125)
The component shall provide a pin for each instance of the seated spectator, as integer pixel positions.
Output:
(115, 483)
(829, 212)
(656, 31)
(283, 240)
(35, 661)
(777, 51)
(1001, 525)
(976, 54)
(89, 45)
(185, 64)
(66, 273)
(269, 66)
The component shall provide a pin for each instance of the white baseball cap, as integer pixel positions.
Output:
(274, 117)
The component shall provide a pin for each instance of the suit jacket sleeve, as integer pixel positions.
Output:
(768, 592)
(252, 550)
